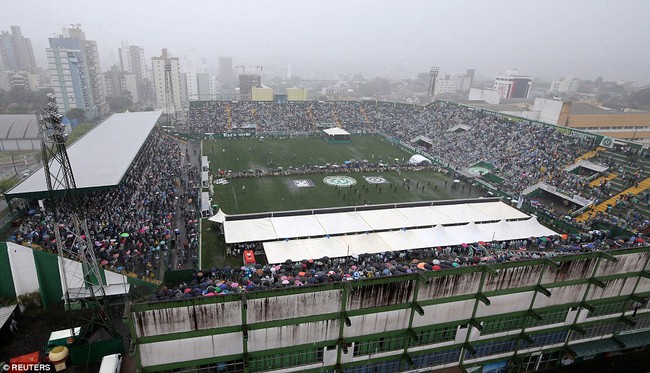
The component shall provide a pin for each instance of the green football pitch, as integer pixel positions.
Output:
(277, 193)
(274, 193)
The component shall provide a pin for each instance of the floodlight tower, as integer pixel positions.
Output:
(433, 74)
(81, 281)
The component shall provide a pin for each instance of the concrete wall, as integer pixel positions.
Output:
(302, 317)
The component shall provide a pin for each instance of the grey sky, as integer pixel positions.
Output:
(546, 38)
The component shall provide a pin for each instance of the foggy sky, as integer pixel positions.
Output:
(394, 39)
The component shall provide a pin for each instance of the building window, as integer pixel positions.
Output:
(435, 358)
(382, 366)
(610, 308)
(544, 339)
(383, 344)
(435, 335)
(285, 360)
(594, 331)
(502, 324)
(548, 317)
(491, 348)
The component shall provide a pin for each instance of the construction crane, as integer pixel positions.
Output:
(244, 67)
(77, 259)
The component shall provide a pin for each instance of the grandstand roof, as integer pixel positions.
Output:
(20, 126)
(100, 158)
(405, 239)
(378, 218)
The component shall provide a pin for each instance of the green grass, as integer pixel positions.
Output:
(276, 193)
(279, 193)
(245, 154)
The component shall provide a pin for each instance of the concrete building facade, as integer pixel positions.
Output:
(167, 82)
(520, 316)
(16, 52)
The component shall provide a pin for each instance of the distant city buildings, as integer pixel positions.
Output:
(167, 82)
(225, 76)
(75, 73)
(246, 84)
(564, 85)
(132, 61)
(117, 83)
(16, 53)
(513, 85)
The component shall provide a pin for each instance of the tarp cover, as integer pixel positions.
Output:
(370, 243)
(321, 224)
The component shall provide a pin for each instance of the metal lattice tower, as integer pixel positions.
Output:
(71, 233)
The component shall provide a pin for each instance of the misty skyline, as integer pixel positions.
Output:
(393, 39)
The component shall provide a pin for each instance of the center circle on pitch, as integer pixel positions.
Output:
(339, 181)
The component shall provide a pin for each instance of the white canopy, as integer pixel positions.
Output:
(220, 217)
(388, 218)
(419, 159)
(335, 131)
(370, 243)
(205, 202)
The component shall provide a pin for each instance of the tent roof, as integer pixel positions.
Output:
(219, 217)
(94, 158)
(336, 131)
(382, 219)
(417, 159)
(370, 243)
(18, 126)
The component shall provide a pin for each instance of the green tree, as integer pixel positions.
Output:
(78, 114)
(119, 104)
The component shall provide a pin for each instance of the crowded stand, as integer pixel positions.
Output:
(133, 225)
(227, 280)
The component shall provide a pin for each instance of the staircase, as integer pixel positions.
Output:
(602, 207)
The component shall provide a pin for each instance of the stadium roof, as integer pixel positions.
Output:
(377, 218)
(405, 239)
(100, 158)
(335, 131)
(22, 126)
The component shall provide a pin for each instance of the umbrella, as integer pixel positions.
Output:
(436, 268)
(124, 234)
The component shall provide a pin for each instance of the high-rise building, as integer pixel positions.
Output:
(16, 53)
(564, 85)
(120, 84)
(246, 84)
(75, 73)
(167, 82)
(513, 85)
(132, 61)
(225, 72)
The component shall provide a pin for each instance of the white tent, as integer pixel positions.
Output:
(249, 230)
(220, 217)
(498, 231)
(335, 131)
(385, 218)
(419, 159)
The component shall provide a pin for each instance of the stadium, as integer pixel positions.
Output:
(382, 237)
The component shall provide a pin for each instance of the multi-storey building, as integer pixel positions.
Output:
(225, 76)
(167, 82)
(521, 316)
(513, 85)
(132, 61)
(75, 73)
(16, 53)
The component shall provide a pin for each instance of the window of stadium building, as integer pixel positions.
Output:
(609, 308)
(548, 317)
(536, 362)
(594, 331)
(383, 366)
(546, 338)
(382, 344)
(286, 360)
(435, 335)
(435, 358)
(503, 324)
(491, 348)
